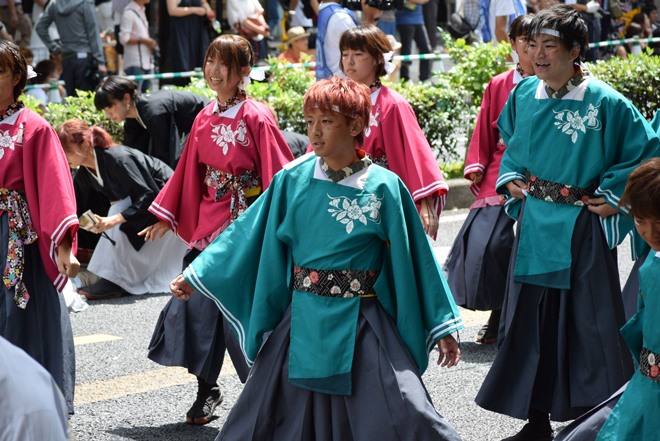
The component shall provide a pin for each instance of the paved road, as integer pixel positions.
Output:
(121, 395)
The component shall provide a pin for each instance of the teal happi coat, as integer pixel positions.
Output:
(591, 135)
(636, 415)
(367, 221)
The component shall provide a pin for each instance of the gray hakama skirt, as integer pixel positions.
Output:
(388, 401)
(586, 427)
(630, 291)
(43, 328)
(478, 262)
(194, 335)
(560, 350)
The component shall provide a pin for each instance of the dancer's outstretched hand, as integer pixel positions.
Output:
(157, 230)
(449, 351)
(180, 288)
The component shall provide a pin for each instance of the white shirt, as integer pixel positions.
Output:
(338, 23)
(300, 19)
(135, 25)
(239, 10)
(499, 8)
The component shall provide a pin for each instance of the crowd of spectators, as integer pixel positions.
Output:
(85, 40)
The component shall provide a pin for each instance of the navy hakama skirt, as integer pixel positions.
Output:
(560, 350)
(194, 335)
(389, 401)
(478, 262)
(630, 291)
(43, 328)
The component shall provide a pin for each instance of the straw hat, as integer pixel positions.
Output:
(295, 33)
(395, 44)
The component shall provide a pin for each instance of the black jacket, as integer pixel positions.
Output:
(168, 116)
(126, 172)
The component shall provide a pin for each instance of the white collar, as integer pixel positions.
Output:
(374, 96)
(576, 94)
(12, 119)
(96, 175)
(657, 254)
(356, 180)
(517, 78)
(231, 112)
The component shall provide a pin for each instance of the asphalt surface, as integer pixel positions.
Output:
(153, 409)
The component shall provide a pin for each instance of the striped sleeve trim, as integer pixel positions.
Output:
(610, 197)
(437, 186)
(56, 237)
(475, 188)
(508, 177)
(196, 283)
(442, 330)
(162, 214)
(473, 168)
(610, 226)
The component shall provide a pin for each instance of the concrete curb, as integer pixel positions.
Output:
(459, 195)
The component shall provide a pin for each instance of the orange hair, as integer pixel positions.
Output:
(75, 131)
(345, 97)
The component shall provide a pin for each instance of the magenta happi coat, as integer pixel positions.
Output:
(32, 161)
(245, 137)
(394, 133)
(486, 146)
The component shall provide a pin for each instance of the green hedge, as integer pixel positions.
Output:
(445, 111)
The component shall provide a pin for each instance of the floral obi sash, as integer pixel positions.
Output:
(559, 193)
(382, 161)
(241, 187)
(21, 233)
(335, 283)
(648, 364)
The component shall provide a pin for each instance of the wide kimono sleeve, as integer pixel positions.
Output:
(178, 202)
(274, 152)
(629, 140)
(245, 271)
(409, 154)
(50, 194)
(411, 286)
(128, 176)
(484, 139)
(509, 169)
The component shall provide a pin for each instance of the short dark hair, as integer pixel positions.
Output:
(12, 59)
(368, 38)
(642, 194)
(521, 25)
(634, 29)
(114, 88)
(568, 22)
(44, 69)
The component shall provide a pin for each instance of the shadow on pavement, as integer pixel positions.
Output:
(175, 431)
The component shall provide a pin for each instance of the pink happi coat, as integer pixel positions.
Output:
(486, 147)
(244, 137)
(32, 159)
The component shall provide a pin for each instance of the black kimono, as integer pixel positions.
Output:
(168, 116)
(127, 172)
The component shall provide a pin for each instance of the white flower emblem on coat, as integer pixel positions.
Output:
(223, 135)
(351, 211)
(373, 122)
(6, 141)
(571, 123)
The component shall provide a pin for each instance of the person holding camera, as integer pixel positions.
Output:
(138, 45)
(83, 62)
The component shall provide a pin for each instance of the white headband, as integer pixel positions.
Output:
(551, 32)
(389, 66)
(30, 73)
(255, 74)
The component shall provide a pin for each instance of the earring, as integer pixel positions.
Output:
(128, 106)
